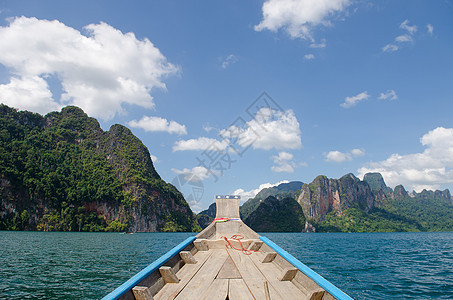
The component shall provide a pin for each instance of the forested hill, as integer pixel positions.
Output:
(63, 172)
(347, 204)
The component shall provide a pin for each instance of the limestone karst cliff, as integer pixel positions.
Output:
(63, 172)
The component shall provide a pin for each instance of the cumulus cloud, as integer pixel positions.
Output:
(154, 158)
(156, 124)
(309, 56)
(351, 101)
(337, 156)
(229, 60)
(201, 143)
(100, 70)
(269, 129)
(245, 195)
(196, 174)
(284, 163)
(429, 169)
(299, 17)
(357, 152)
(390, 95)
(29, 92)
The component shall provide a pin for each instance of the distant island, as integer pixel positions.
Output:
(62, 172)
(347, 204)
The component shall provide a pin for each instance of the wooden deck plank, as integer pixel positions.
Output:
(170, 291)
(229, 270)
(218, 290)
(198, 285)
(271, 272)
(237, 290)
(252, 276)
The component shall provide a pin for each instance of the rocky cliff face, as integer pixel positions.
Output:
(324, 195)
(63, 172)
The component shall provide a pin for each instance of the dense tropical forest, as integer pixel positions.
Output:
(63, 172)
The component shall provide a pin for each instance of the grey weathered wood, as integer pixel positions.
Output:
(227, 208)
(208, 232)
(237, 290)
(252, 275)
(286, 289)
(266, 291)
(255, 245)
(142, 293)
(168, 274)
(218, 290)
(319, 295)
(198, 285)
(269, 257)
(187, 257)
(201, 245)
(327, 296)
(288, 274)
(228, 270)
(187, 272)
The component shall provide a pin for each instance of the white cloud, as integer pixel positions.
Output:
(430, 29)
(299, 17)
(30, 93)
(269, 129)
(208, 128)
(154, 158)
(429, 169)
(321, 44)
(390, 48)
(201, 143)
(337, 156)
(410, 29)
(156, 124)
(357, 152)
(390, 94)
(245, 195)
(351, 101)
(99, 72)
(284, 162)
(196, 174)
(230, 59)
(404, 38)
(309, 56)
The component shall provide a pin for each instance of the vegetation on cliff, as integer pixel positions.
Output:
(274, 215)
(63, 172)
(350, 205)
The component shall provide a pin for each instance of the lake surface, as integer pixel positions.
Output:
(60, 265)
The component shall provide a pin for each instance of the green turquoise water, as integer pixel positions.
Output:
(59, 265)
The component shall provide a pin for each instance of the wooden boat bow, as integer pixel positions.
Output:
(227, 260)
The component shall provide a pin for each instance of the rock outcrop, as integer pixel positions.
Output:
(63, 172)
(324, 195)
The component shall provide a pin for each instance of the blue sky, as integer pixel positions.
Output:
(231, 96)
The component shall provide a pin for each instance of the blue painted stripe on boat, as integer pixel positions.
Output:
(122, 289)
(321, 281)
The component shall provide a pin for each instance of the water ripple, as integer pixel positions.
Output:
(56, 265)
